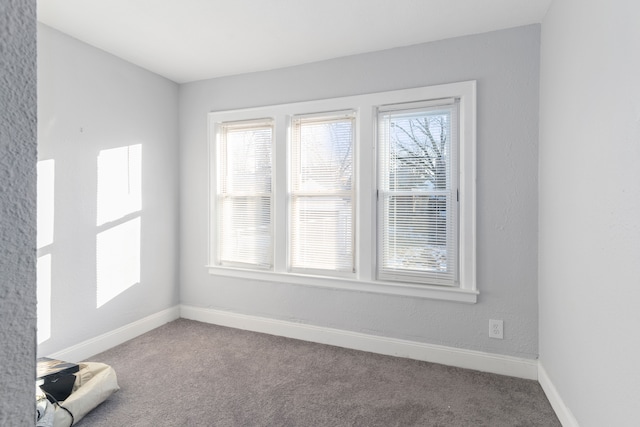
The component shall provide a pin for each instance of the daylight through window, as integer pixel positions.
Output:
(417, 204)
(321, 198)
(372, 192)
(244, 194)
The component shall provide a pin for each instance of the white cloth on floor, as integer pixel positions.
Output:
(44, 410)
(95, 382)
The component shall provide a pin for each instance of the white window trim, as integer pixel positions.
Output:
(365, 162)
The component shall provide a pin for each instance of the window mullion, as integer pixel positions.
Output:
(280, 189)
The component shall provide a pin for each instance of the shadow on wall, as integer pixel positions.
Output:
(118, 220)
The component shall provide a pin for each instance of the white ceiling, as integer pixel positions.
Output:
(188, 40)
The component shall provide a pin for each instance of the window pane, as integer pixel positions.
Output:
(322, 235)
(418, 151)
(248, 161)
(323, 155)
(246, 230)
(416, 237)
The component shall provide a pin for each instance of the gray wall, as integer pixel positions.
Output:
(506, 67)
(590, 208)
(17, 211)
(91, 101)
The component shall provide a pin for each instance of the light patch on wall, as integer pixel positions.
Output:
(117, 260)
(44, 297)
(45, 202)
(119, 182)
(45, 221)
(119, 201)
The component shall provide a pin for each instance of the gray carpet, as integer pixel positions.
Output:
(188, 373)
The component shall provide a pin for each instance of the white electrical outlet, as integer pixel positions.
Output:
(496, 328)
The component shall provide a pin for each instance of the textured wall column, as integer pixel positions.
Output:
(18, 157)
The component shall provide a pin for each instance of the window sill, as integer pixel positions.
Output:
(387, 288)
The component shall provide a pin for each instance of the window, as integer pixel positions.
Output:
(244, 194)
(374, 193)
(417, 193)
(321, 197)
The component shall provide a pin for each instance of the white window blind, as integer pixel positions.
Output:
(321, 200)
(417, 193)
(244, 200)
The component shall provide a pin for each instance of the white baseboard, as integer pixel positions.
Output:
(562, 411)
(469, 359)
(103, 342)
